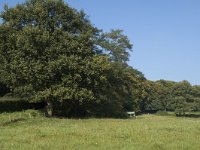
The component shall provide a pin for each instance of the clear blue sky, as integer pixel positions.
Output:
(165, 33)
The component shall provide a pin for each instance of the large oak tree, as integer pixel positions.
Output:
(51, 52)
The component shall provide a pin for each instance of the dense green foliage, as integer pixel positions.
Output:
(50, 52)
(147, 132)
(175, 96)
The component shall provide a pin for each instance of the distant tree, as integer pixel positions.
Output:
(184, 89)
(195, 90)
(181, 105)
(195, 94)
(165, 93)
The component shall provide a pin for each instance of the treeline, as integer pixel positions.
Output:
(50, 52)
(173, 96)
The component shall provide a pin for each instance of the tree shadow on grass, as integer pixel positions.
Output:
(13, 121)
(188, 115)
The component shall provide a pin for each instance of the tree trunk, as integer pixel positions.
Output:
(49, 109)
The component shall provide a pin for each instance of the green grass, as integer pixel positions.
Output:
(196, 113)
(147, 132)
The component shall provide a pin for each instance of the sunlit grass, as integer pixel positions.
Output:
(147, 132)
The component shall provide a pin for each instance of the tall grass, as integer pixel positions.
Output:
(147, 132)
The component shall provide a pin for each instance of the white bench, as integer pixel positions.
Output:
(131, 114)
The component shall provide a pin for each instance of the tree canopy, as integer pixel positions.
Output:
(51, 52)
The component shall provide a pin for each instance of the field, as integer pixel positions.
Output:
(30, 130)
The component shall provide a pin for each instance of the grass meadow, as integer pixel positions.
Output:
(30, 130)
